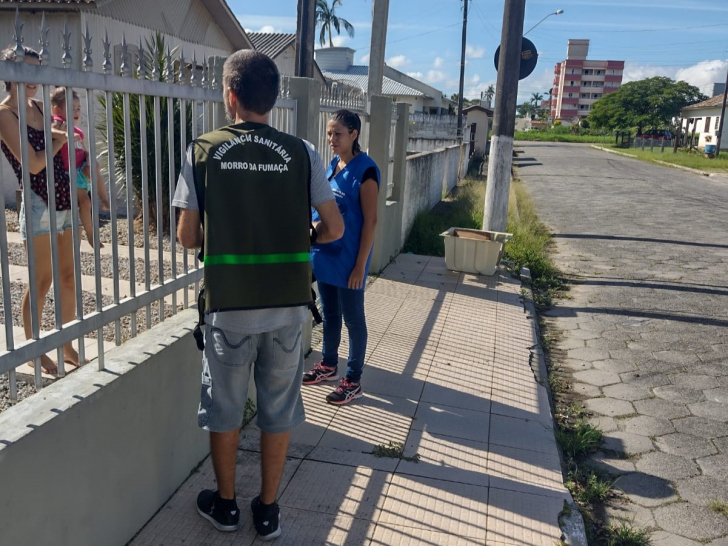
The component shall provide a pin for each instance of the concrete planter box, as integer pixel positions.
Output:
(474, 251)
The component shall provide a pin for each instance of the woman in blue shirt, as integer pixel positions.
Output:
(341, 267)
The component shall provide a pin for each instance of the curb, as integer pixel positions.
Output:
(571, 521)
(664, 163)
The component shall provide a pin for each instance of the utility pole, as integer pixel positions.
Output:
(722, 118)
(495, 215)
(462, 69)
(305, 38)
(380, 14)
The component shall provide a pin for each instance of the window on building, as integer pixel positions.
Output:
(587, 72)
(599, 72)
(571, 94)
(707, 124)
(572, 82)
(717, 123)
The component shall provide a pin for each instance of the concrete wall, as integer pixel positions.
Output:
(90, 459)
(422, 144)
(699, 116)
(430, 175)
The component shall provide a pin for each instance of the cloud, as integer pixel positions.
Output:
(283, 24)
(415, 75)
(474, 52)
(268, 29)
(702, 75)
(439, 62)
(435, 76)
(398, 61)
(364, 59)
(339, 41)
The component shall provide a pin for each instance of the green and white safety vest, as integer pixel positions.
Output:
(254, 186)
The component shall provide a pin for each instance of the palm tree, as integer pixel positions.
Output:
(536, 99)
(490, 92)
(327, 18)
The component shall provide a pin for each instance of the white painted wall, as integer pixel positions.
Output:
(699, 115)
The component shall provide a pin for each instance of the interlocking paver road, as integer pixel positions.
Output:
(644, 331)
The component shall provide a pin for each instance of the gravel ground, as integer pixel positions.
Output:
(122, 229)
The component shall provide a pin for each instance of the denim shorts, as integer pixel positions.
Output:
(41, 218)
(276, 359)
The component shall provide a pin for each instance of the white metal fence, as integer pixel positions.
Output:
(165, 105)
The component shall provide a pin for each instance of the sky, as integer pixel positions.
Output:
(681, 39)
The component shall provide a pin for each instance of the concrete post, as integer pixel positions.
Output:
(380, 125)
(307, 94)
(400, 152)
(378, 45)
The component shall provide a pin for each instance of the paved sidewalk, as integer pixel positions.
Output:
(448, 376)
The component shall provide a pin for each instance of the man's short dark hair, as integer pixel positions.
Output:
(254, 79)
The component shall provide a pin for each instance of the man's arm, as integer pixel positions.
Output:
(189, 229)
(331, 226)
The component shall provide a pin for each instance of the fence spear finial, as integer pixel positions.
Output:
(125, 68)
(213, 69)
(19, 51)
(155, 60)
(204, 73)
(107, 54)
(142, 72)
(66, 59)
(169, 67)
(182, 67)
(43, 53)
(193, 76)
(88, 62)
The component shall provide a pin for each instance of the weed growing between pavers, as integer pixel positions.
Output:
(393, 450)
(719, 506)
(578, 439)
(625, 534)
(589, 486)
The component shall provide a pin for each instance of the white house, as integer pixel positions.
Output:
(479, 119)
(337, 64)
(704, 118)
(281, 47)
(202, 28)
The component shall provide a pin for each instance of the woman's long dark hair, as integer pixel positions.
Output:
(351, 121)
(8, 54)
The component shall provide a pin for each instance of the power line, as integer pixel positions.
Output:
(486, 26)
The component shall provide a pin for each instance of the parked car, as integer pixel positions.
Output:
(657, 134)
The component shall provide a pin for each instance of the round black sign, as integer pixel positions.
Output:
(529, 58)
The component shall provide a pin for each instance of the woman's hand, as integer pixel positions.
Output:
(59, 132)
(356, 279)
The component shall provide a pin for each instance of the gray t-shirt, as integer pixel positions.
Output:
(255, 321)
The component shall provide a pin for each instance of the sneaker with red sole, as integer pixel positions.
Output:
(320, 373)
(345, 393)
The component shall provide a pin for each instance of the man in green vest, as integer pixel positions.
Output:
(246, 192)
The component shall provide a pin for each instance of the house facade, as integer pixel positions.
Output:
(479, 119)
(203, 29)
(580, 82)
(704, 118)
(337, 64)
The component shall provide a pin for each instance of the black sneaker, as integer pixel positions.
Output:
(320, 373)
(265, 519)
(211, 507)
(345, 393)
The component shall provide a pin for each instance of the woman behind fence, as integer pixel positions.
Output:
(341, 267)
(11, 145)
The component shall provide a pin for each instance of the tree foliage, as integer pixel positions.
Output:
(327, 18)
(650, 103)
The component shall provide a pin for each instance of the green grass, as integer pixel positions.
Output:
(464, 210)
(588, 487)
(547, 136)
(393, 450)
(625, 534)
(693, 160)
(579, 439)
(719, 506)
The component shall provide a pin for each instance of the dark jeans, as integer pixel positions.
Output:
(349, 304)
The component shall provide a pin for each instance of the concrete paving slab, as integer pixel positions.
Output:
(645, 489)
(521, 519)
(450, 421)
(386, 535)
(445, 458)
(521, 434)
(525, 471)
(688, 520)
(436, 505)
(308, 528)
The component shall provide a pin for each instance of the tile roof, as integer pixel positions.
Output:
(358, 76)
(272, 44)
(710, 103)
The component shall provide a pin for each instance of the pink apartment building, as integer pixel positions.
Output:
(579, 82)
